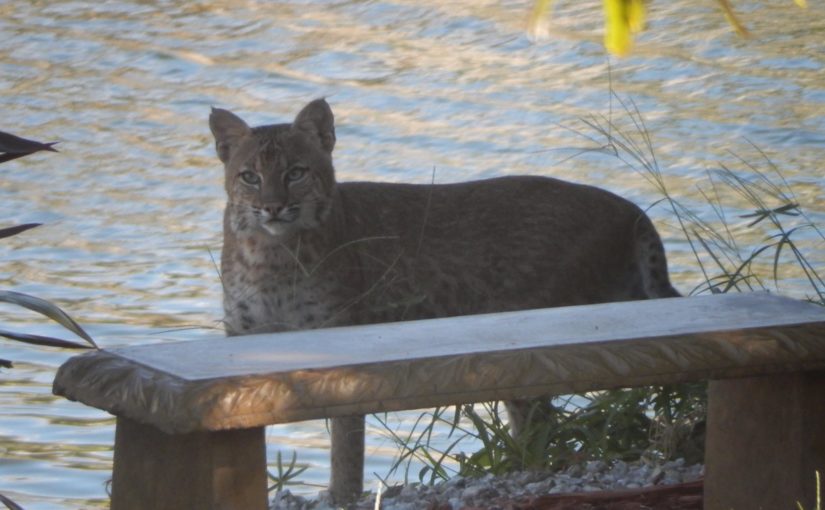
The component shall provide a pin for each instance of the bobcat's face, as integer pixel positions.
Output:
(279, 179)
(282, 184)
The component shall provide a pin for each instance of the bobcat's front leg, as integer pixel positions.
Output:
(347, 459)
(525, 414)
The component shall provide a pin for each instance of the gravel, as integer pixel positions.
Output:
(459, 492)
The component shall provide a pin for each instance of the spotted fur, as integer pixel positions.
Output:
(302, 251)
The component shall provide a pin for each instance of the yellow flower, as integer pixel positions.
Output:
(623, 18)
(537, 25)
(636, 14)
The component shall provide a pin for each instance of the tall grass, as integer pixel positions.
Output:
(785, 236)
(757, 236)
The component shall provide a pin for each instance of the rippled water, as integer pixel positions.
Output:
(132, 204)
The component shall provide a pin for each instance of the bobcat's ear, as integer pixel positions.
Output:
(228, 130)
(317, 120)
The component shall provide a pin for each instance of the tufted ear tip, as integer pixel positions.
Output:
(228, 130)
(317, 119)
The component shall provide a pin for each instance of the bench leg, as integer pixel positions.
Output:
(347, 459)
(224, 470)
(765, 440)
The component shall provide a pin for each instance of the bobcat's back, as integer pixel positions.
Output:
(302, 251)
(499, 244)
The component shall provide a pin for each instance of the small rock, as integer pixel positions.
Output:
(558, 489)
(574, 470)
(594, 466)
(456, 482)
(619, 468)
(656, 476)
(479, 491)
(536, 487)
(409, 491)
(392, 491)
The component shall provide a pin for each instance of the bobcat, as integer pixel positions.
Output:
(303, 251)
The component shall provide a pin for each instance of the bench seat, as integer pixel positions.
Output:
(199, 395)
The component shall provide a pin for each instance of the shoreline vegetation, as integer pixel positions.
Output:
(655, 428)
(736, 251)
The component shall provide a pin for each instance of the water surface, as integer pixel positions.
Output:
(132, 204)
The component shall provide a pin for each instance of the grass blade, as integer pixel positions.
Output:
(732, 18)
(48, 309)
(286, 475)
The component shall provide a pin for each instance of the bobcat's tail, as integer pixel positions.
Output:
(650, 256)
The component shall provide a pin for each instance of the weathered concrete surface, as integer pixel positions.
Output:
(257, 380)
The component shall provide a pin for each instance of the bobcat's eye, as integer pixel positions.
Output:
(250, 178)
(296, 173)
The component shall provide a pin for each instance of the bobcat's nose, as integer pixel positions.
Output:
(273, 210)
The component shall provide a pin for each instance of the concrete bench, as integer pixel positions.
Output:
(191, 415)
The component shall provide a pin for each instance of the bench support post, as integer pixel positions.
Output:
(765, 440)
(347, 459)
(223, 470)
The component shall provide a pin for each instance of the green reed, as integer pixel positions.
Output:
(766, 241)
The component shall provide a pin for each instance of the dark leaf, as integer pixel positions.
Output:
(10, 156)
(48, 309)
(11, 505)
(43, 340)
(11, 231)
(15, 146)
